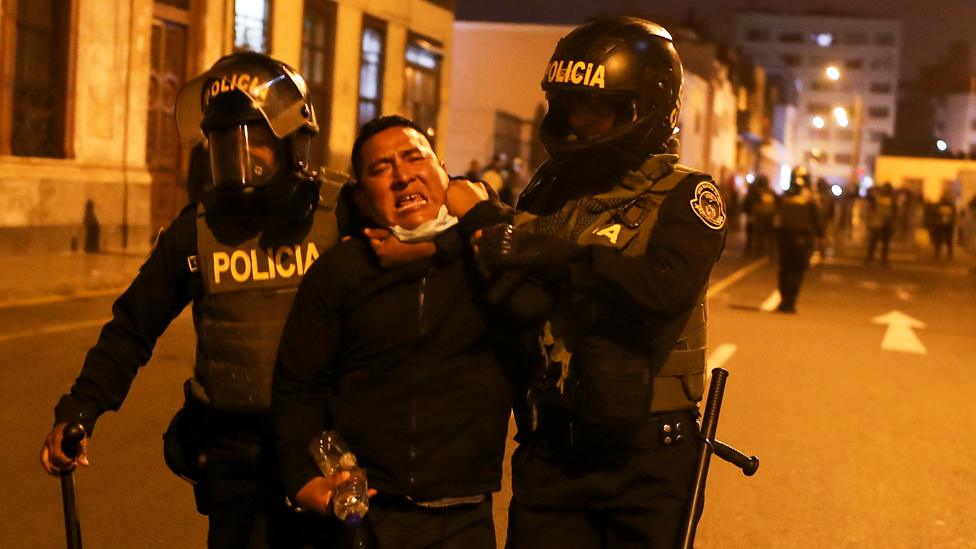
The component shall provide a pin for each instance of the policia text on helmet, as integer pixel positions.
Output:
(256, 115)
(614, 89)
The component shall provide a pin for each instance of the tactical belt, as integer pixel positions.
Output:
(657, 430)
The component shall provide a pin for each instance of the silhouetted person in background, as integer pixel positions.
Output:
(881, 221)
(942, 225)
(92, 230)
(798, 225)
(760, 208)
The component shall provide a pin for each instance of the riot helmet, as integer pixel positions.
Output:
(258, 119)
(799, 179)
(621, 77)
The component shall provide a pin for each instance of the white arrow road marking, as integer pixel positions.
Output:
(771, 302)
(721, 355)
(717, 359)
(899, 335)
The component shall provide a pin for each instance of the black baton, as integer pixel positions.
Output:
(709, 424)
(71, 439)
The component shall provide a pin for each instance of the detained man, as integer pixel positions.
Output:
(405, 362)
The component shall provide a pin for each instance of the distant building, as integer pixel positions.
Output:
(955, 122)
(497, 100)
(86, 110)
(865, 52)
(929, 176)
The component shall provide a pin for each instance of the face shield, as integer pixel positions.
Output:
(240, 87)
(244, 156)
(581, 116)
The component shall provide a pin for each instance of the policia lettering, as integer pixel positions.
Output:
(576, 72)
(285, 262)
(251, 85)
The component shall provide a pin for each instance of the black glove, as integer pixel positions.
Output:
(502, 247)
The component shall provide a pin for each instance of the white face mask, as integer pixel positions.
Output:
(428, 230)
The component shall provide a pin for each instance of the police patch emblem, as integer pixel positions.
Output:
(708, 205)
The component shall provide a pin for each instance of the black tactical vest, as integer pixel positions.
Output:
(248, 291)
(607, 365)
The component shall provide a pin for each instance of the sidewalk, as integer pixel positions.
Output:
(29, 278)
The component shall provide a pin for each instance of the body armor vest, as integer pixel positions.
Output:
(248, 290)
(795, 212)
(604, 363)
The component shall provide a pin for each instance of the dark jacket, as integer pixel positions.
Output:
(405, 363)
(163, 287)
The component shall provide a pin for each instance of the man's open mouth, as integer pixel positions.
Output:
(410, 201)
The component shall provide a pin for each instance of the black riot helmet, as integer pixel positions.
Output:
(621, 65)
(256, 115)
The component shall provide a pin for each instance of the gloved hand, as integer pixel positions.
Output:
(501, 247)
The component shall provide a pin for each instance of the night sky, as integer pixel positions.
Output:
(927, 26)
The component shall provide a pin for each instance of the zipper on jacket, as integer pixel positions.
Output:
(421, 335)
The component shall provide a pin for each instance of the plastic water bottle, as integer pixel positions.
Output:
(350, 499)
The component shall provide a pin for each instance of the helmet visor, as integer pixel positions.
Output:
(243, 156)
(581, 116)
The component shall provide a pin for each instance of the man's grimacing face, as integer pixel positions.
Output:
(402, 182)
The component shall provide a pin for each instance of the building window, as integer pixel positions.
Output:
(855, 39)
(843, 134)
(508, 135)
(884, 39)
(881, 87)
(854, 64)
(757, 35)
(791, 37)
(972, 125)
(791, 59)
(842, 158)
(877, 137)
(878, 112)
(318, 42)
(421, 89)
(372, 52)
(883, 62)
(252, 25)
(38, 68)
(818, 108)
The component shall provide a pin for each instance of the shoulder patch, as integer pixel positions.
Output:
(707, 205)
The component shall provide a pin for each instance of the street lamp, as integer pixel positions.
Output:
(818, 122)
(832, 73)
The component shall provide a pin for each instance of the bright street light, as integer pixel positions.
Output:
(836, 190)
(942, 145)
(832, 72)
(818, 122)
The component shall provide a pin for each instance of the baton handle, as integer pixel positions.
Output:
(71, 439)
(748, 464)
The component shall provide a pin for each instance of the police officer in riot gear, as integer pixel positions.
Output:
(798, 230)
(608, 261)
(238, 257)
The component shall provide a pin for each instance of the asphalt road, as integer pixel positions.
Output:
(860, 446)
